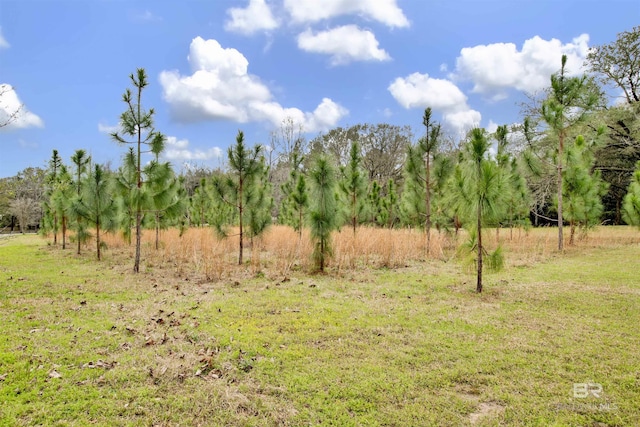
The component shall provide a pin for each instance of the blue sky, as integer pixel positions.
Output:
(217, 66)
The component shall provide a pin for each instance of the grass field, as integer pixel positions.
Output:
(195, 340)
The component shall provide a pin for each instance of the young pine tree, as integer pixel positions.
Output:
(81, 161)
(244, 167)
(323, 209)
(96, 205)
(165, 195)
(567, 104)
(137, 123)
(60, 199)
(53, 180)
(582, 189)
(480, 194)
(353, 186)
(428, 146)
(126, 193)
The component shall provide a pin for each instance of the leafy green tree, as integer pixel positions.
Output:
(137, 123)
(323, 209)
(567, 104)
(617, 63)
(245, 167)
(353, 186)
(81, 161)
(582, 188)
(631, 206)
(96, 204)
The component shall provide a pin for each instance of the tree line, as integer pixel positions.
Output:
(571, 162)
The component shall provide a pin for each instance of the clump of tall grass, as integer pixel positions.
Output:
(281, 251)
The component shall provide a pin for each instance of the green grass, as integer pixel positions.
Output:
(413, 346)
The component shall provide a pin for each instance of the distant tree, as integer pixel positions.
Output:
(631, 207)
(375, 199)
(96, 204)
(516, 191)
(244, 167)
(137, 123)
(323, 209)
(353, 186)
(567, 104)
(200, 204)
(617, 63)
(26, 210)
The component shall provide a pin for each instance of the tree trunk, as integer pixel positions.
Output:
(157, 229)
(560, 153)
(98, 240)
(55, 229)
(136, 264)
(78, 236)
(427, 224)
(64, 232)
(240, 212)
(479, 274)
(573, 232)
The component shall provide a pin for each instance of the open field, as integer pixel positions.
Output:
(196, 340)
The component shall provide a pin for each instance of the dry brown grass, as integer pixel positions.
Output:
(199, 252)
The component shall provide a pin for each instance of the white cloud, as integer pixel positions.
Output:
(178, 150)
(13, 112)
(421, 91)
(108, 129)
(461, 122)
(497, 67)
(492, 126)
(4, 44)
(344, 44)
(255, 17)
(384, 11)
(221, 88)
